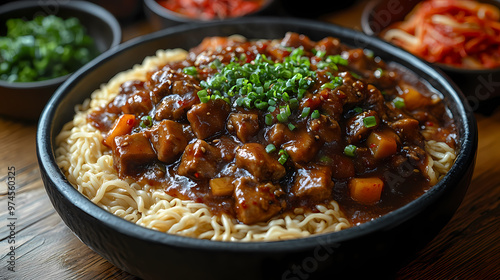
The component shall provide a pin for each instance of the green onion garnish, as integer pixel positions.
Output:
(315, 114)
(270, 148)
(305, 112)
(291, 126)
(146, 121)
(269, 119)
(350, 150)
(261, 83)
(398, 102)
(190, 70)
(370, 121)
(283, 156)
(358, 109)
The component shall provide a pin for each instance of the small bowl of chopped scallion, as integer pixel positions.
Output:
(40, 46)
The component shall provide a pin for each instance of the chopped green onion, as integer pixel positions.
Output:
(337, 59)
(325, 159)
(399, 102)
(291, 126)
(190, 70)
(355, 75)
(282, 117)
(315, 114)
(269, 119)
(270, 148)
(146, 121)
(305, 112)
(283, 157)
(370, 121)
(358, 109)
(262, 83)
(216, 64)
(378, 73)
(262, 105)
(350, 150)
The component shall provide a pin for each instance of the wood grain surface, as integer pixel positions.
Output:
(467, 248)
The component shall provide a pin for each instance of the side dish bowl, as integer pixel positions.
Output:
(161, 17)
(376, 247)
(25, 100)
(478, 85)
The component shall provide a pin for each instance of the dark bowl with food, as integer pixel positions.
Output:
(25, 100)
(376, 248)
(162, 17)
(478, 84)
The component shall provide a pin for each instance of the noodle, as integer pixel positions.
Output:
(88, 165)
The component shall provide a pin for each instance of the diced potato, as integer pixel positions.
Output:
(222, 186)
(413, 98)
(382, 144)
(366, 190)
(122, 126)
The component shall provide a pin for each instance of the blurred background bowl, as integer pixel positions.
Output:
(481, 86)
(26, 100)
(161, 17)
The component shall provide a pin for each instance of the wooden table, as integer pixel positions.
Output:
(467, 248)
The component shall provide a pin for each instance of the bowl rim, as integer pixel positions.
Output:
(46, 134)
(163, 12)
(83, 6)
(365, 26)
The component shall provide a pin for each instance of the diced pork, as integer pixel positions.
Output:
(256, 202)
(303, 148)
(244, 125)
(325, 127)
(174, 106)
(278, 134)
(131, 153)
(356, 128)
(254, 158)
(208, 119)
(409, 131)
(168, 140)
(200, 160)
(315, 184)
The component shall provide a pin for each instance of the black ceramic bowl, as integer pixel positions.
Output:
(479, 85)
(161, 17)
(26, 100)
(378, 246)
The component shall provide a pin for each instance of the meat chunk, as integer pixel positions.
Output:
(138, 103)
(244, 125)
(303, 147)
(358, 129)
(325, 127)
(329, 45)
(341, 166)
(170, 82)
(254, 158)
(315, 183)
(200, 160)
(352, 91)
(256, 202)
(131, 153)
(278, 134)
(208, 119)
(296, 40)
(409, 131)
(227, 147)
(168, 140)
(174, 106)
